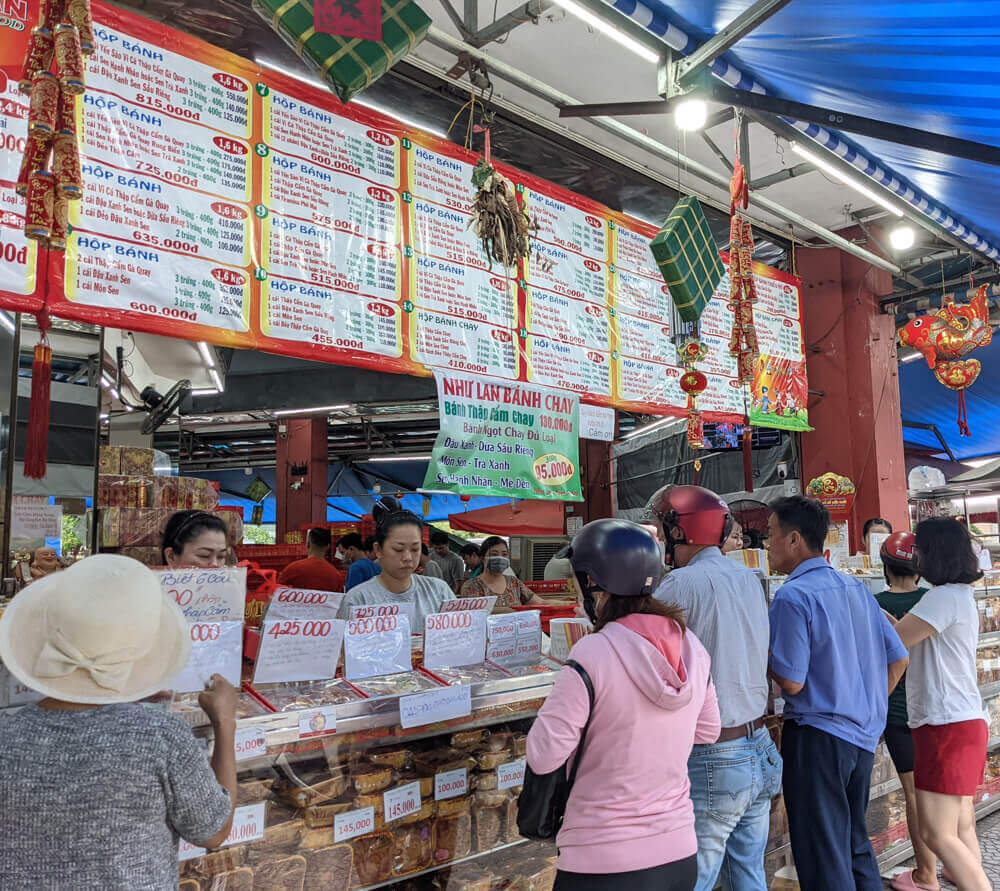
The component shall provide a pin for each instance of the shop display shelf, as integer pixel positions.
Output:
(448, 865)
(989, 639)
(988, 691)
(886, 788)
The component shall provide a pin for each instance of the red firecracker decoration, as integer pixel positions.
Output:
(693, 383)
(742, 289)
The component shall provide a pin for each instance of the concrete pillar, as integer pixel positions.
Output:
(851, 359)
(301, 474)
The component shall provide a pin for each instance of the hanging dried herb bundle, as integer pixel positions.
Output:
(498, 220)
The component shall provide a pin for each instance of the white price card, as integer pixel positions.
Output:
(248, 824)
(216, 648)
(451, 784)
(875, 540)
(377, 645)
(298, 603)
(501, 645)
(318, 721)
(510, 775)
(419, 709)
(207, 595)
(353, 824)
(460, 604)
(381, 610)
(250, 743)
(188, 851)
(401, 801)
(454, 639)
(13, 692)
(304, 648)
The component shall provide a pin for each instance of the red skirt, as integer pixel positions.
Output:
(950, 758)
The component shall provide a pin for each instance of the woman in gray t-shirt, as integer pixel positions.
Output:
(397, 545)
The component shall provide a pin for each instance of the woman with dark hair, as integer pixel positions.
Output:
(629, 820)
(495, 579)
(194, 538)
(398, 548)
(946, 714)
(874, 526)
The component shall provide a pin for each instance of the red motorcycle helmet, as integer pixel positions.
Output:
(702, 516)
(897, 552)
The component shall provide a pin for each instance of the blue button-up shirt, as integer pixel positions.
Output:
(828, 633)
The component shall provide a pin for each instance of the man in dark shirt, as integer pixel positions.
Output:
(315, 572)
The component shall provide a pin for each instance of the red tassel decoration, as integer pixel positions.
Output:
(36, 448)
(747, 454)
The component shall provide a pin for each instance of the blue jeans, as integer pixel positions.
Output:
(732, 784)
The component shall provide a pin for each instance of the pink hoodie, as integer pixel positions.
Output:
(630, 807)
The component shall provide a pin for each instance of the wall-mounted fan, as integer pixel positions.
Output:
(161, 407)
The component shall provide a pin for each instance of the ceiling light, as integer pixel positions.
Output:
(105, 380)
(7, 322)
(206, 354)
(647, 427)
(398, 458)
(288, 72)
(609, 30)
(212, 392)
(388, 112)
(690, 114)
(114, 393)
(310, 411)
(912, 357)
(103, 416)
(216, 379)
(827, 167)
(902, 237)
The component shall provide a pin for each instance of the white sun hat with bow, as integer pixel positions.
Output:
(99, 632)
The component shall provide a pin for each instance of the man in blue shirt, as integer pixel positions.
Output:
(835, 657)
(360, 568)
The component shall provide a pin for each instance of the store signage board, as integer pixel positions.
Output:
(306, 648)
(258, 209)
(377, 645)
(216, 648)
(207, 595)
(505, 438)
(380, 610)
(454, 639)
(459, 604)
(353, 824)
(451, 784)
(597, 422)
(33, 522)
(419, 709)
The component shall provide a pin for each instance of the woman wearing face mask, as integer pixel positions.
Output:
(494, 582)
(398, 548)
(194, 538)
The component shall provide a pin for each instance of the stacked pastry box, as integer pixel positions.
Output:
(361, 768)
(135, 504)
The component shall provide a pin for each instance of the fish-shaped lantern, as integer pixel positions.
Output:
(944, 338)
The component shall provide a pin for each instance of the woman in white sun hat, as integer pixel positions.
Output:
(97, 788)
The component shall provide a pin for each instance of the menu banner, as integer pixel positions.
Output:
(505, 438)
(229, 203)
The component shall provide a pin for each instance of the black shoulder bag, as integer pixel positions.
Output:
(542, 803)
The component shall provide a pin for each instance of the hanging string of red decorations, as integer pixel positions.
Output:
(51, 175)
(693, 382)
(944, 338)
(742, 290)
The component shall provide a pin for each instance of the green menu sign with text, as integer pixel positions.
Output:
(505, 438)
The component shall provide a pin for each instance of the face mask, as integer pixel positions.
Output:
(497, 564)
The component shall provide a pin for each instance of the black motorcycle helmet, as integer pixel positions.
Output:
(616, 556)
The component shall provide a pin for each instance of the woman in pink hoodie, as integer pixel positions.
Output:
(629, 821)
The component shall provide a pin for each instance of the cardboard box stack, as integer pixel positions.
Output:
(135, 504)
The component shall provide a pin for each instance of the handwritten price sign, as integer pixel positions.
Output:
(216, 648)
(433, 706)
(454, 639)
(250, 743)
(451, 784)
(378, 611)
(459, 604)
(375, 645)
(511, 774)
(516, 639)
(300, 637)
(207, 595)
(248, 825)
(401, 801)
(353, 824)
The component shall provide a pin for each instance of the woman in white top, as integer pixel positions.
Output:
(397, 546)
(950, 732)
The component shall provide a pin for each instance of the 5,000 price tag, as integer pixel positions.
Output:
(401, 801)
(250, 743)
(353, 823)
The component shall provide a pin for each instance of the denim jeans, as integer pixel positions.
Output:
(732, 784)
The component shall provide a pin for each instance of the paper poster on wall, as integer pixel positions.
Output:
(505, 438)
(33, 522)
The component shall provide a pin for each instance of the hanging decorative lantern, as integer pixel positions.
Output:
(944, 338)
(693, 382)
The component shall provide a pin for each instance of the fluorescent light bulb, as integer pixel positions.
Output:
(609, 30)
(647, 427)
(103, 416)
(397, 458)
(827, 167)
(427, 128)
(216, 379)
(297, 75)
(114, 393)
(206, 354)
(911, 358)
(105, 381)
(205, 392)
(311, 411)
(7, 322)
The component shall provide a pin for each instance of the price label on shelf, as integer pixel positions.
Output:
(401, 801)
(514, 639)
(353, 824)
(511, 774)
(300, 603)
(207, 595)
(216, 648)
(250, 743)
(451, 784)
(433, 706)
(248, 824)
(381, 610)
(376, 645)
(459, 604)
(188, 851)
(318, 721)
(453, 639)
(300, 641)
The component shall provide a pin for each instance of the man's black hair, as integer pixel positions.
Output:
(439, 537)
(319, 537)
(352, 540)
(805, 515)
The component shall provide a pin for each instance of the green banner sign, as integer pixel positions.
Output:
(505, 438)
